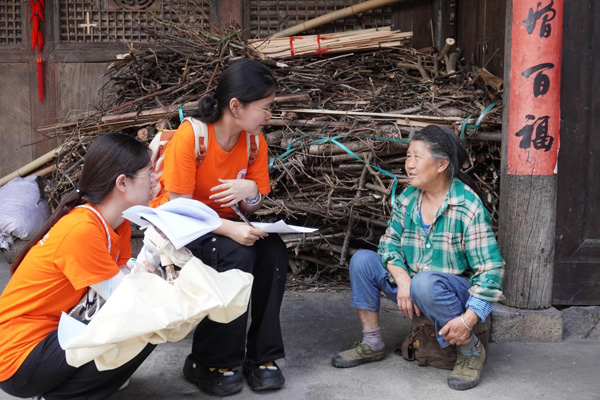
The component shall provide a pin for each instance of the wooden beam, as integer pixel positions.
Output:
(14, 56)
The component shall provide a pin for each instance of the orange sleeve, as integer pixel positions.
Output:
(259, 171)
(85, 262)
(179, 172)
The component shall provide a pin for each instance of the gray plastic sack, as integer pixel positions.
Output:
(22, 213)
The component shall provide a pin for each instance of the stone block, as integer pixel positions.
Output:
(594, 333)
(579, 322)
(516, 325)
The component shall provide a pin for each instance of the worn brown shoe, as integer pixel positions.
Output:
(467, 371)
(359, 353)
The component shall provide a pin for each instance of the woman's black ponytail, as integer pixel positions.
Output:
(208, 109)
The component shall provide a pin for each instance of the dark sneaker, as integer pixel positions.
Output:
(215, 381)
(264, 377)
(359, 353)
(467, 371)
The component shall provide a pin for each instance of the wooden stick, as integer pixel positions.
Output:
(309, 123)
(154, 112)
(348, 232)
(164, 111)
(333, 16)
(309, 209)
(161, 112)
(44, 171)
(378, 188)
(452, 60)
(307, 237)
(421, 68)
(32, 166)
(448, 45)
(171, 90)
(489, 78)
(380, 115)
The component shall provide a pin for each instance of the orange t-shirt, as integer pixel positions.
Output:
(180, 174)
(52, 278)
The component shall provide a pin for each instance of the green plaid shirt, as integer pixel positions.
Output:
(459, 242)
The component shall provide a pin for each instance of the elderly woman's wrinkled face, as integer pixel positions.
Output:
(422, 169)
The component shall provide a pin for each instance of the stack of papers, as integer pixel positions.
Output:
(184, 220)
(281, 227)
(181, 220)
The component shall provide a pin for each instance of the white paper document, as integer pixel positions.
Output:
(281, 227)
(181, 220)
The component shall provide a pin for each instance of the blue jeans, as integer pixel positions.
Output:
(440, 296)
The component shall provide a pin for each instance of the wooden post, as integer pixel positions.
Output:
(438, 22)
(531, 134)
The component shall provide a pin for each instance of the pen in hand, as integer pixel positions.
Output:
(243, 217)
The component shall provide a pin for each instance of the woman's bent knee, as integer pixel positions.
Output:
(363, 262)
(422, 286)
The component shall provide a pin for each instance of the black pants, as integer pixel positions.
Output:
(225, 345)
(46, 372)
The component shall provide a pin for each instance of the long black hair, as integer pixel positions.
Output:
(109, 156)
(446, 145)
(245, 80)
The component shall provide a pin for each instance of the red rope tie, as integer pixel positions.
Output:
(292, 38)
(320, 50)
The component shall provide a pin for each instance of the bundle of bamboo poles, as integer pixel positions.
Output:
(337, 137)
(331, 43)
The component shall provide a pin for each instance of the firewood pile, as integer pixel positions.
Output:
(337, 139)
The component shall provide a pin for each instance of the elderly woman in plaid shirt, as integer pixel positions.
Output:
(438, 257)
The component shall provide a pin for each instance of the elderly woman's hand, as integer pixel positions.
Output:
(456, 331)
(403, 299)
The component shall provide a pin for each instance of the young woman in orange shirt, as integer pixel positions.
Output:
(227, 177)
(83, 244)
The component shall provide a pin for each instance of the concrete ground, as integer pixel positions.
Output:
(316, 325)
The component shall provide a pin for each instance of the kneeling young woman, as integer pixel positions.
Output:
(83, 243)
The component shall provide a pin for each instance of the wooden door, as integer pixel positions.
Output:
(577, 266)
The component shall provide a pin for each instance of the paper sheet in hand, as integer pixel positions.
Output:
(282, 227)
(146, 309)
(181, 220)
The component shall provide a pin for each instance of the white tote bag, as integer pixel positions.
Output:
(146, 309)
